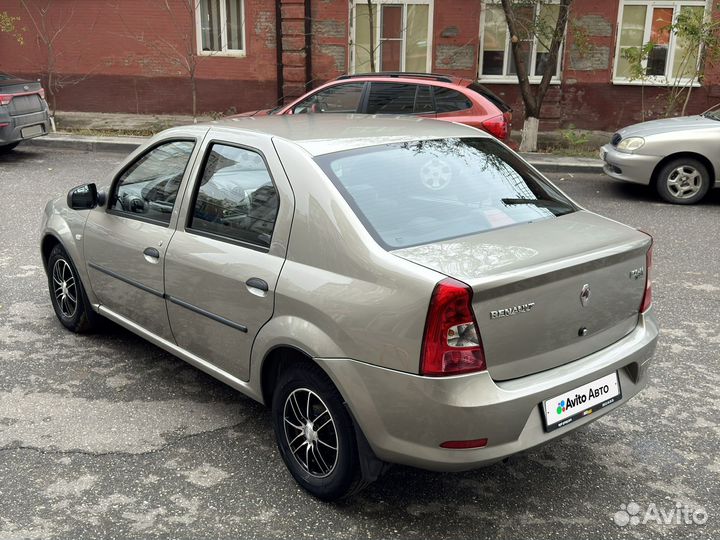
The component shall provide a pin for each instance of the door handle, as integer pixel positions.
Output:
(257, 283)
(151, 255)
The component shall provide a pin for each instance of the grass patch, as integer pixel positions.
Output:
(110, 132)
(583, 152)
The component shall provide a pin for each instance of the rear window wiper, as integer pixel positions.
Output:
(542, 203)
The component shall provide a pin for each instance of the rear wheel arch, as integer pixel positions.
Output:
(275, 361)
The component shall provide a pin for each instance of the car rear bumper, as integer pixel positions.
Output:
(18, 128)
(636, 168)
(406, 417)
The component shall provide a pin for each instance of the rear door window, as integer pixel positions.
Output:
(399, 98)
(236, 198)
(449, 100)
(424, 100)
(421, 192)
(342, 98)
(391, 98)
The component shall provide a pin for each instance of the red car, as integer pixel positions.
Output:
(423, 94)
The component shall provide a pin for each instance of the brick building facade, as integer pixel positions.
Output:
(138, 55)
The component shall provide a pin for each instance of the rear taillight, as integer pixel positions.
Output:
(42, 93)
(498, 126)
(451, 344)
(647, 296)
(5, 99)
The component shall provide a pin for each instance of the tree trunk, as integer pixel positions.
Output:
(528, 143)
(687, 100)
(371, 21)
(642, 100)
(533, 98)
(193, 88)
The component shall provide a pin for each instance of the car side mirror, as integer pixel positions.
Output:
(83, 197)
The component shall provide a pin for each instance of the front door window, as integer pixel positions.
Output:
(148, 188)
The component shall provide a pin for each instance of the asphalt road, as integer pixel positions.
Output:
(106, 436)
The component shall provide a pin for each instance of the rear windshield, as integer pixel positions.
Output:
(420, 192)
(490, 96)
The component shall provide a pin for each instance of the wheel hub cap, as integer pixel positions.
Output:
(311, 435)
(684, 182)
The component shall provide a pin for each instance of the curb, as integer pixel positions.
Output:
(561, 166)
(121, 145)
(125, 145)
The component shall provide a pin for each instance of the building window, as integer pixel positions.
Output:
(496, 58)
(644, 22)
(401, 32)
(221, 27)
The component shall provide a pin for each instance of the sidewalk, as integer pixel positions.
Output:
(77, 123)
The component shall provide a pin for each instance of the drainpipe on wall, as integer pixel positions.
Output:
(308, 45)
(279, 50)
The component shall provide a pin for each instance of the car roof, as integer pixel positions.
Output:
(333, 132)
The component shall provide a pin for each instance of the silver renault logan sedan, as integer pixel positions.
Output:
(397, 290)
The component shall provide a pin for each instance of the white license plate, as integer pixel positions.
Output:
(32, 131)
(603, 153)
(582, 401)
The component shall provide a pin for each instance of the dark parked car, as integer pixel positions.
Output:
(430, 95)
(23, 111)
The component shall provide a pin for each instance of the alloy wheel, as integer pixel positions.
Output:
(65, 288)
(684, 182)
(311, 432)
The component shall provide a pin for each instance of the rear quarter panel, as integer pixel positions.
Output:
(339, 294)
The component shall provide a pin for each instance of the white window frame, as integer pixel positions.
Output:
(654, 80)
(512, 79)
(377, 4)
(223, 31)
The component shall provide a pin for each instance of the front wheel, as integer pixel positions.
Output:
(67, 294)
(683, 181)
(315, 433)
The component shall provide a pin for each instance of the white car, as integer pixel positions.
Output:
(677, 156)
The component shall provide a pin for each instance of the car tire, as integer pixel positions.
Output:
(67, 294)
(683, 181)
(306, 440)
(8, 147)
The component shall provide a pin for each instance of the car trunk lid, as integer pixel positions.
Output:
(528, 280)
(22, 97)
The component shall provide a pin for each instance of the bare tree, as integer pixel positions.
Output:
(371, 23)
(528, 28)
(50, 25)
(178, 50)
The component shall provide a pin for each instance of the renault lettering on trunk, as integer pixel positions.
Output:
(509, 311)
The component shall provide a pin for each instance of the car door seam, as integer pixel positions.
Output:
(125, 279)
(174, 300)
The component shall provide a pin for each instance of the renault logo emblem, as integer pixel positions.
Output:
(585, 295)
